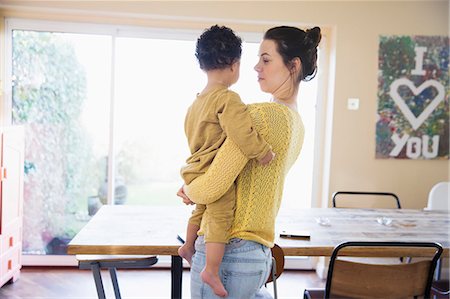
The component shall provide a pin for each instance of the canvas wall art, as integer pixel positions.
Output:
(413, 98)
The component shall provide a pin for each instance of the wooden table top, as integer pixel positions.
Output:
(128, 229)
(362, 225)
(152, 230)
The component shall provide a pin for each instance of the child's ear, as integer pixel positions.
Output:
(235, 66)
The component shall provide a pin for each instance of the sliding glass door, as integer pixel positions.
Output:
(61, 94)
(104, 116)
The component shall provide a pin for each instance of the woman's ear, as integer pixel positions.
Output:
(296, 65)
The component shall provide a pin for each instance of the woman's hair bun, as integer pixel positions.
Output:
(314, 35)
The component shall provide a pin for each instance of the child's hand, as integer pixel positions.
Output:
(183, 195)
(267, 158)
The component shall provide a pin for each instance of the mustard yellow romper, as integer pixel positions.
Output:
(210, 119)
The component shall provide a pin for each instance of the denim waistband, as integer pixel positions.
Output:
(234, 245)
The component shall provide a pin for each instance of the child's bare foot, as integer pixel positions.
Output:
(186, 252)
(213, 280)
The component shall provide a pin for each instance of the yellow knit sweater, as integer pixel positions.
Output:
(259, 188)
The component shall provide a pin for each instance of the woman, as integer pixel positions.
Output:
(287, 56)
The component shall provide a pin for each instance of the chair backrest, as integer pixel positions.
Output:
(278, 255)
(438, 198)
(352, 199)
(348, 279)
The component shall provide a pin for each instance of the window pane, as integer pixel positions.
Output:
(156, 82)
(61, 95)
(299, 181)
(247, 85)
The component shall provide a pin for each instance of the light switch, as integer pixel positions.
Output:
(353, 104)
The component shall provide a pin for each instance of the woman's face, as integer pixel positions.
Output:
(273, 75)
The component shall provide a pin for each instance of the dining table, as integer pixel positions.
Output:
(155, 230)
(329, 227)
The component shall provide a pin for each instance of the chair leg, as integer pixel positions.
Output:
(112, 272)
(274, 278)
(306, 295)
(437, 270)
(98, 281)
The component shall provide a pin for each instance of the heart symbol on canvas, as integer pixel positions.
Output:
(416, 122)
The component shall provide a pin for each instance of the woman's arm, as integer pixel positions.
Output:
(222, 173)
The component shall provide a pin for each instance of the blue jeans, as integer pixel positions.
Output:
(244, 269)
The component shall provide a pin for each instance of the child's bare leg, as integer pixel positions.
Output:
(187, 250)
(210, 274)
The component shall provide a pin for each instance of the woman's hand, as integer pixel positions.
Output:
(183, 195)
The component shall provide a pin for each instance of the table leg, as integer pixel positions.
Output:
(98, 281)
(177, 275)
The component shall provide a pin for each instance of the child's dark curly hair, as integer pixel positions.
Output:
(217, 48)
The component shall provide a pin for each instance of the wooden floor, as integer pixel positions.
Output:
(71, 283)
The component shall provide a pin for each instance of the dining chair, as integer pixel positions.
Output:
(112, 262)
(277, 267)
(352, 199)
(440, 289)
(348, 279)
(438, 199)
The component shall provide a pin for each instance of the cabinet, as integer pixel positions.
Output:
(11, 202)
